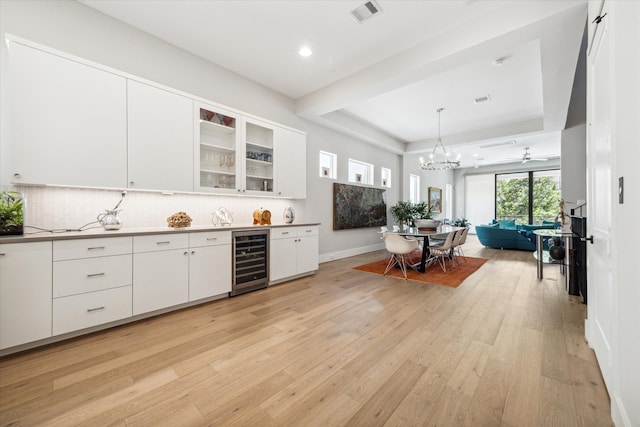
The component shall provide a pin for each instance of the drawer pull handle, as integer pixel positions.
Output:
(212, 238)
(163, 243)
(89, 310)
(285, 232)
(2, 253)
(95, 275)
(95, 248)
(308, 231)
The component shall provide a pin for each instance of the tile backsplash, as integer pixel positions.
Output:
(71, 208)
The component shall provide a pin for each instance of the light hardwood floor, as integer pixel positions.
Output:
(342, 347)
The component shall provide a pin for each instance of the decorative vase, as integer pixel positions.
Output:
(289, 215)
(556, 251)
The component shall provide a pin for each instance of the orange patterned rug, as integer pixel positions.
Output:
(434, 274)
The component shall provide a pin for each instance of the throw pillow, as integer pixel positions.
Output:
(509, 224)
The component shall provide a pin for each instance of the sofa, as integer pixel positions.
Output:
(503, 234)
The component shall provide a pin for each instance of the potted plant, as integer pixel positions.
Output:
(461, 222)
(403, 213)
(425, 216)
(11, 213)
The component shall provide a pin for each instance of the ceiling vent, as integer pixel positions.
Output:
(497, 144)
(365, 11)
(481, 99)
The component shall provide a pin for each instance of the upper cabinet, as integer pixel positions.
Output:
(68, 121)
(160, 149)
(77, 123)
(259, 157)
(216, 156)
(290, 150)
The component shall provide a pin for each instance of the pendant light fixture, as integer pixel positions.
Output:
(439, 161)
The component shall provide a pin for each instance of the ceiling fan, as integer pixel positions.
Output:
(526, 157)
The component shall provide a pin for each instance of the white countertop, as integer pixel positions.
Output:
(124, 231)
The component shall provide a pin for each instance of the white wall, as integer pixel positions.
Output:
(73, 28)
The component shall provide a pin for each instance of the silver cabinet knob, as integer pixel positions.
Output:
(17, 175)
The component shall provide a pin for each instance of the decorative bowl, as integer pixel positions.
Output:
(427, 224)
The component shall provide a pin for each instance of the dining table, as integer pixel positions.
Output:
(439, 233)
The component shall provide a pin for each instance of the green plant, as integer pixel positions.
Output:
(406, 212)
(461, 222)
(11, 212)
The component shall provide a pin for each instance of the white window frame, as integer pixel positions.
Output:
(328, 163)
(385, 177)
(360, 172)
(414, 188)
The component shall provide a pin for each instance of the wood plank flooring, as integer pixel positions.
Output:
(343, 347)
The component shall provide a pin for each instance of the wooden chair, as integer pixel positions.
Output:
(400, 250)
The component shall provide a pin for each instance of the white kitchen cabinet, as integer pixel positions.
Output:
(259, 157)
(209, 264)
(290, 154)
(91, 282)
(160, 271)
(68, 121)
(293, 252)
(217, 158)
(25, 292)
(160, 145)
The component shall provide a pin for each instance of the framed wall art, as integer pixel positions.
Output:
(435, 199)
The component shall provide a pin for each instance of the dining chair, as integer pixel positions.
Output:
(400, 250)
(463, 239)
(440, 252)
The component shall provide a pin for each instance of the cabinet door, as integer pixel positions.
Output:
(209, 271)
(307, 254)
(282, 258)
(68, 121)
(290, 160)
(259, 158)
(160, 279)
(160, 139)
(25, 292)
(217, 156)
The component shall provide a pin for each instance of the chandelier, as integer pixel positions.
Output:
(440, 161)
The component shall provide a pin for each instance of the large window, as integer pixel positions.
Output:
(528, 197)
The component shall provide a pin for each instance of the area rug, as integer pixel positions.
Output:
(434, 274)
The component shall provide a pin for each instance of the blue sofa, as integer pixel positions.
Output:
(508, 235)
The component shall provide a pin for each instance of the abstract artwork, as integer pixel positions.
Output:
(356, 207)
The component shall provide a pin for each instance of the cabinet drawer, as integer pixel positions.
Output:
(308, 231)
(210, 238)
(160, 242)
(88, 275)
(283, 233)
(94, 308)
(89, 248)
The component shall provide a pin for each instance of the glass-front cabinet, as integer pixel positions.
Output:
(259, 157)
(217, 149)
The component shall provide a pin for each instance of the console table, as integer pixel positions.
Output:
(540, 236)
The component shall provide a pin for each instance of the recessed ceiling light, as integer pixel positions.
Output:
(305, 51)
(481, 99)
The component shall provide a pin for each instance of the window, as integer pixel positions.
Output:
(360, 172)
(528, 197)
(328, 165)
(414, 188)
(385, 177)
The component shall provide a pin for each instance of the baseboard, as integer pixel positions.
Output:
(618, 413)
(332, 256)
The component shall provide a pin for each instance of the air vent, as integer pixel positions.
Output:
(481, 99)
(365, 11)
(498, 144)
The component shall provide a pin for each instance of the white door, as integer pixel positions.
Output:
(599, 327)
